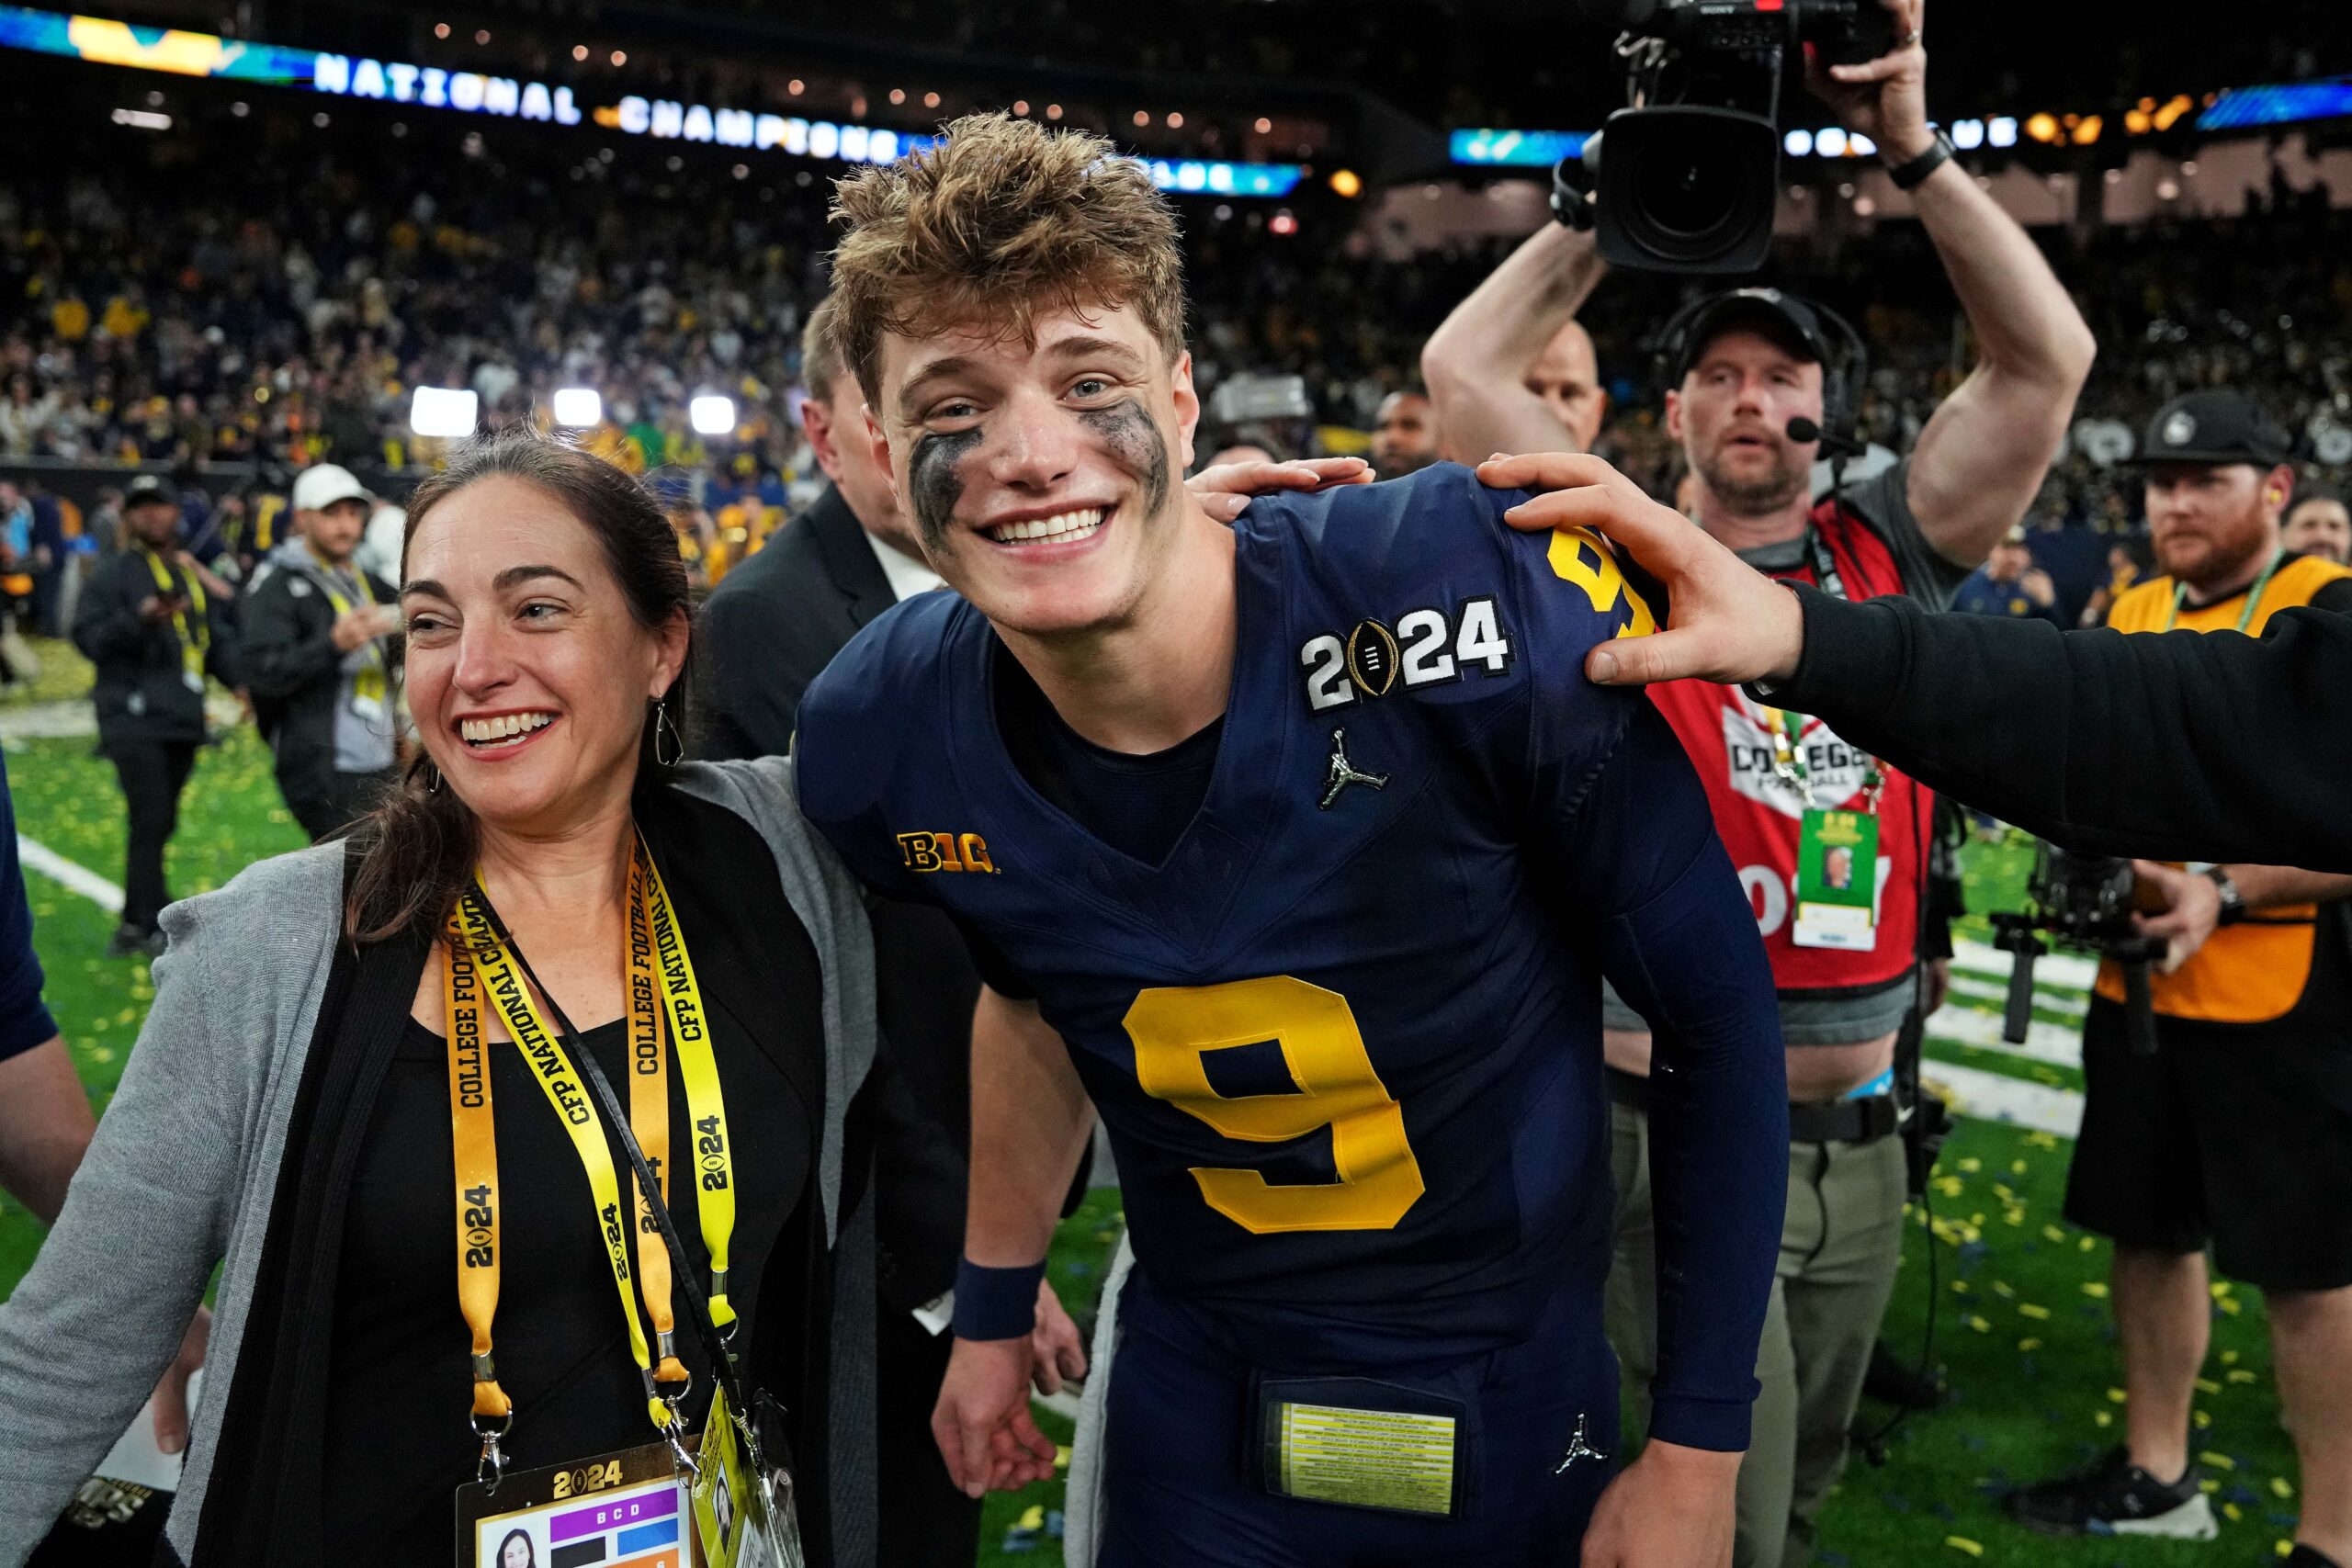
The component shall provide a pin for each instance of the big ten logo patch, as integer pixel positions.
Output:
(946, 851)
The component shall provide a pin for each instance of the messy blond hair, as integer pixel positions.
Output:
(999, 221)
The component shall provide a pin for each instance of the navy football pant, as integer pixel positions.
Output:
(1184, 1487)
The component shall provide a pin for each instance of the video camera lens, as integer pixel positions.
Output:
(1689, 187)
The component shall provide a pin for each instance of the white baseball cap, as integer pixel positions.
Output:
(322, 484)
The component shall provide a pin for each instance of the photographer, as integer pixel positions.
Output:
(2231, 1133)
(1748, 375)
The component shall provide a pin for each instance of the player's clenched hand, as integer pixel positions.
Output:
(1670, 1508)
(1728, 621)
(1224, 491)
(982, 1422)
(1054, 1343)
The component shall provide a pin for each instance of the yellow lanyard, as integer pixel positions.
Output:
(368, 683)
(194, 638)
(476, 961)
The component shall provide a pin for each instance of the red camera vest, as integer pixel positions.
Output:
(1726, 734)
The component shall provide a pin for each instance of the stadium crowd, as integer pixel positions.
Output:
(283, 310)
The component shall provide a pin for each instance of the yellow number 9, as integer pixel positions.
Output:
(1602, 584)
(1175, 1027)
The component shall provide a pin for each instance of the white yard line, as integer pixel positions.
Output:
(66, 874)
(2057, 1043)
(1994, 1097)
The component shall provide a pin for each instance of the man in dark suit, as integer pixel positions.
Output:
(770, 625)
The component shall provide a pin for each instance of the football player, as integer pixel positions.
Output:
(1298, 848)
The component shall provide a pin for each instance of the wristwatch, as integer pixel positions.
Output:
(1910, 174)
(2233, 901)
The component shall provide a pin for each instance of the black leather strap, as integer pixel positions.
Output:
(1911, 174)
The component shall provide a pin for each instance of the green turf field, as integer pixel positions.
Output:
(2022, 1328)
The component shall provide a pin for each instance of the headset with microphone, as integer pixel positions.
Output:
(1842, 377)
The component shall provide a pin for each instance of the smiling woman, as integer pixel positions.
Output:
(362, 1085)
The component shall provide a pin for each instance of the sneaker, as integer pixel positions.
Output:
(2117, 1497)
(2307, 1557)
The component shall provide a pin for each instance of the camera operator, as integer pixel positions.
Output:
(2231, 1133)
(1747, 367)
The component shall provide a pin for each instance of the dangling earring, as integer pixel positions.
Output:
(432, 779)
(662, 726)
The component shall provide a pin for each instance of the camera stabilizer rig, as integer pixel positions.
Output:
(2081, 901)
(1692, 170)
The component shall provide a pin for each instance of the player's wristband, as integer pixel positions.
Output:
(996, 1304)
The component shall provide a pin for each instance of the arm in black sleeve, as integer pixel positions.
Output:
(277, 655)
(2180, 746)
(1677, 939)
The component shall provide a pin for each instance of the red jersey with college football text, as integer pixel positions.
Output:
(1730, 736)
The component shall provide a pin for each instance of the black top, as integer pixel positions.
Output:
(1138, 805)
(2178, 746)
(396, 1443)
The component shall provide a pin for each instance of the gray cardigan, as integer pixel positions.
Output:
(184, 1166)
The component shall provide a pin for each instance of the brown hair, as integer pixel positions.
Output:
(821, 365)
(418, 848)
(999, 219)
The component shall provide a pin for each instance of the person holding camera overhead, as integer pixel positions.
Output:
(1761, 384)
(155, 630)
(2230, 1136)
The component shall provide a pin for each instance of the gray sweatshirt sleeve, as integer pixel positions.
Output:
(93, 1325)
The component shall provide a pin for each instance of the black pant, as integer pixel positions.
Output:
(327, 804)
(926, 1522)
(152, 773)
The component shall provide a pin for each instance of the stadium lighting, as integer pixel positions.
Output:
(577, 408)
(712, 414)
(448, 412)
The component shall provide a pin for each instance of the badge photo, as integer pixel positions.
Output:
(619, 1510)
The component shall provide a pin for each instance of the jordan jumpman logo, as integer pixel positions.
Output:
(1342, 772)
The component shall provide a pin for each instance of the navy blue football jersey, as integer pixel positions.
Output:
(1345, 1036)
